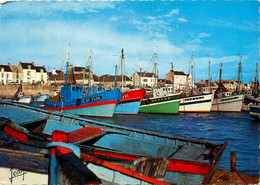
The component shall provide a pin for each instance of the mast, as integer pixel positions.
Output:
(67, 65)
(209, 72)
(115, 78)
(256, 78)
(155, 69)
(192, 69)
(220, 73)
(172, 78)
(239, 72)
(122, 63)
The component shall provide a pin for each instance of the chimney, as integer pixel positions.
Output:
(33, 63)
(9, 63)
(43, 66)
(20, 62)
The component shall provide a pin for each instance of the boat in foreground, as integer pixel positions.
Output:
(190, 161)
(130, 102)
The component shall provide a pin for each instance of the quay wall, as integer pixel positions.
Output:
(29, 90)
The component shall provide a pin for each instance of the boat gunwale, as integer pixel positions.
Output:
(121, 129)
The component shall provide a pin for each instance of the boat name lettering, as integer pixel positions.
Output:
(16, 173)
(93, 99)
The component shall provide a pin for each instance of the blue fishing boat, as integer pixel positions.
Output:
(189, 161)
(96, 102)
(101, 104)
(254, 111)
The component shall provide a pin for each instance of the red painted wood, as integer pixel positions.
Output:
(188, 167)
(60, 136)
(16, 134)
(174, 166)
(133, 95)
(89, 158)
(84, 133)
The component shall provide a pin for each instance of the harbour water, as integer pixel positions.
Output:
(241, 132)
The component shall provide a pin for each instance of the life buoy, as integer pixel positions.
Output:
(157, 93)
(78, 102)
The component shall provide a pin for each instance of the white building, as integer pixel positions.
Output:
(6, 74)
(147, 79)
(181, 81)
(33, 74)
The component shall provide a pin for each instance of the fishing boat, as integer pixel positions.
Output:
(97, 102)
(130, 102)
(160, 103)
(196, 103)
(252, 97)
(254, 111)
(225, 100)
(20, 98)
(190, 161)
(41, 97)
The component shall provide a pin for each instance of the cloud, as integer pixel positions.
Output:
(172, 12)
(46, 41)
(201, 35)
(182, 20)
(115, 18)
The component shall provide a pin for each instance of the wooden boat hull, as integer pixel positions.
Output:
(231, 103)
(163, 105)
(196, 104)
(130, 102)
(255, 112)
(189, 157)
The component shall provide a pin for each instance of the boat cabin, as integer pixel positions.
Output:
(94, 90)
(71, 92)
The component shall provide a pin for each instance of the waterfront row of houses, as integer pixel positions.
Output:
(29, 73)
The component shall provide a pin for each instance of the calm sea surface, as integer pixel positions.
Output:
(241, 132)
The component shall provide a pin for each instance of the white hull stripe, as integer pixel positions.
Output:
(164, 102)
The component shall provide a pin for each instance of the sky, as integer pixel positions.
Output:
(40, 31)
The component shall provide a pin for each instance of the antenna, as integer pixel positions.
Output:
(209, 71)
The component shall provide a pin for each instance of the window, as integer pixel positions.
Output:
(145, 80)
(7, 75)
(2, 75)
(28, 73)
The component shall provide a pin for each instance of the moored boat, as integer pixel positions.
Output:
(41, 97)
(96, 102)
(196, 104)
(254, 111)
(190, 161)
(130, 102)
(168, 104)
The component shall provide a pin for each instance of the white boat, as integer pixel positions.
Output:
(228, 102)
(22, 99)
(225, 100)
(41, 97)
(198, 103)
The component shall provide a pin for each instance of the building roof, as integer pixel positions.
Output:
(146, 74)
(38, 68)
(80, 69)
(26, 65)
(6, 68)
(111, 78)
